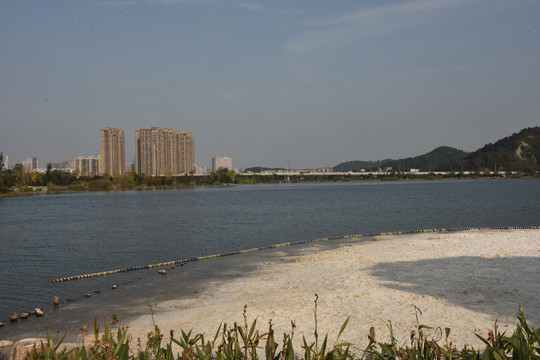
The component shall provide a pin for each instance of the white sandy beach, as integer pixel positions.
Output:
(462, 280)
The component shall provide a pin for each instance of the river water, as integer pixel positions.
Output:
(53, 236)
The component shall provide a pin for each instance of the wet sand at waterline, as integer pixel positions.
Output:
(463, 280)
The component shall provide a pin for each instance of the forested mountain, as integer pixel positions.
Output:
(440, 159)
(358, 165)
(519, 152)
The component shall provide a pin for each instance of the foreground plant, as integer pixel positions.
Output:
(340, 350)
(48, 350)
(245, 342)
(523, 344)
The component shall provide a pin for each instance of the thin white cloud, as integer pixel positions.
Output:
(115, 3)
(343, 29)
(257, 7)
(175, 1)
(414, 6)
(251, 6)
(427, 71)
(314, 40)
(138, 2)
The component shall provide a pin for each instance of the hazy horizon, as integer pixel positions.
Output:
(301, 84)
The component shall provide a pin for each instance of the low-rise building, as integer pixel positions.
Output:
(86, 165)
(221, 162)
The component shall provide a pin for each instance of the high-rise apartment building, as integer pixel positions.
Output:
(113, 152)
(86, 165)
(164, 151)
(221, 162)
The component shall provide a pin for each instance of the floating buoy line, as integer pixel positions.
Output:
(238, 252)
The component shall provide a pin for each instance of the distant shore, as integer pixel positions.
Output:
(189, 181)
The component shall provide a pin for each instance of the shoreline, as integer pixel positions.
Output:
(463, 280)
(372, 279)
(360, 177)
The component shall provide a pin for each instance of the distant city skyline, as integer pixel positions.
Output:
(303, 84)
(75, 163)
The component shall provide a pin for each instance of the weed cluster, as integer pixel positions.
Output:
(246, 342)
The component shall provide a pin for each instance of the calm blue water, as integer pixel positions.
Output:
(48, 237)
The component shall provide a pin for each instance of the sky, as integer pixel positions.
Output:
(281, 83)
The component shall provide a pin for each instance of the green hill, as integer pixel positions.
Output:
(358, 165)
(519, 152)
(440, 159)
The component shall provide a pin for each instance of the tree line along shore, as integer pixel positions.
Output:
(60, 181)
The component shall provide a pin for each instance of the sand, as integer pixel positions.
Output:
(462, 280)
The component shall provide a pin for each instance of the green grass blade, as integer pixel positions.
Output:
(343, 327)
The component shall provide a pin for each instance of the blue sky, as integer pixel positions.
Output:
(306, 83)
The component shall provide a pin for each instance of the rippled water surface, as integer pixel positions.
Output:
(47, 237)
